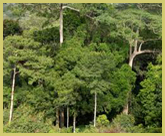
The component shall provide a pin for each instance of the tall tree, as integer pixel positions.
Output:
(92, 69)
(132, 28)
(150, 96)
(23, 56)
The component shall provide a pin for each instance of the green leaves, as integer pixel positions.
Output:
(26, 121)
(66, 87)
(92, 60)
(122, 81)
(130, 20)
(11, 27)
(122, 122)
(47, 35)
(25, 54)
(102, 120)
(150, 95)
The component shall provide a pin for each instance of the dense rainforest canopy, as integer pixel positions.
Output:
(82, 68)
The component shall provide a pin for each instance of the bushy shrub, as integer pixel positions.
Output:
(66, 130)
(54, 130)
(5, 116)
(153, 130)
(89, 129)
(6, 97)
(136, 129)
(24, 121)
(122, 122)
(141, 129)
(102, 120)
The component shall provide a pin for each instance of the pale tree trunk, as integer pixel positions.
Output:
(12, 95)
(95, 109)
(61, 24)
(132, 55)
(62, 118)
(67, 117)
(131, 58)
(126, 107)
(125, 110)
(74, 123)
(61, 20)
(131, 61)
(57, 117)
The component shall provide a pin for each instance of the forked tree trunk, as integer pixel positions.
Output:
(126, 107)
(74, 123)
(12, 95)
(95, 109)
(61, 24)
(67, 117)
(131, 61)
(57, 117)
(132, 55)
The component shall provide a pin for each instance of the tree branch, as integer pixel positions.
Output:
(140, 46)
(71, 8)
(148, 40)
(146, 51)
(77, 10)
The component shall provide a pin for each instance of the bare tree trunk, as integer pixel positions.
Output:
(12, 95)
(57, 117)
(131, 61)
(125, 110)
(95, 109)
(126, 107)
(74, 123)
(62, 118)
(131, 58)
(61, 24)
(67, 117)
(132, 55)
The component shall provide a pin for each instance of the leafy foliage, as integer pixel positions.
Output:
(24, 121)
(11, 27)
(151, 95)
(123, 121)
(102, 120)
(92, 61)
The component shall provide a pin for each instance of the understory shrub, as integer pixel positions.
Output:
(66, 130)
(102, 120)
(122, 122)
(25, 121)
(89, 129)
